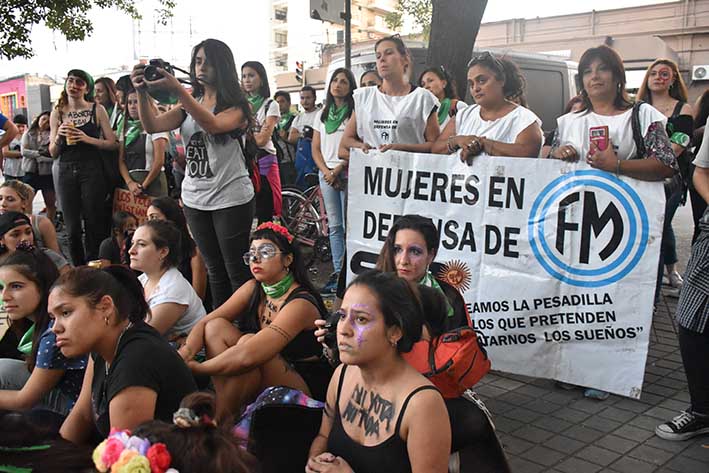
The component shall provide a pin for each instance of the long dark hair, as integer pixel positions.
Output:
(34, 127)
(505, 71)
(264, 90)
(116, 281)
(35, 266)
(227, 86)
(678, 90)
(173, 212)
(441, 73)
(330, 99)
(702, 110)
(423, 225)
(612, 59)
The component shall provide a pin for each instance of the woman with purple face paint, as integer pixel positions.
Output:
(380, 414)
(274, 343)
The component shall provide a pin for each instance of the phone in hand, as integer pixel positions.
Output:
(599, 136)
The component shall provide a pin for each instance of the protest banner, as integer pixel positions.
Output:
(137, 205)
(556, 261)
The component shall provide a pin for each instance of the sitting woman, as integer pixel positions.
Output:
(17, 196)
(46, 379)
(381, 414)
(274, 342)
(495, 125)
(114, 248)
(174, 305)
(409, 250)
(191, 263)
(133, 374)
(16, 230)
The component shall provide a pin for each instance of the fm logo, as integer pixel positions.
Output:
(588, 228)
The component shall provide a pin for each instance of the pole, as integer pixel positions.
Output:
(348, 34)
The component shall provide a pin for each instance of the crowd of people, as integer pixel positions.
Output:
(112, 346)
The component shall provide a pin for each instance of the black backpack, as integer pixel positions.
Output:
(251, 151)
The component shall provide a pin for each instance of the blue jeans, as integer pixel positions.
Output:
(14, 376)
(335, 206)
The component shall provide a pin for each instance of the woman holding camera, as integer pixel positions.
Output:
(217, 193)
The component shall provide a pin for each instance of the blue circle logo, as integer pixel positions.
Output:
(588, 228)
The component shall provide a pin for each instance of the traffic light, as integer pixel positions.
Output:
(299, 76)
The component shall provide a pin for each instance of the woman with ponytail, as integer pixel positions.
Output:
(133, 374)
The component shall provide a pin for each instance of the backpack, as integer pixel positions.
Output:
(454, 361)
(250, 149)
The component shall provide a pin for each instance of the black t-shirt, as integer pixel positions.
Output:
(143, 358)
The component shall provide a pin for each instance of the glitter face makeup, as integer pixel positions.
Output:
(360, 318)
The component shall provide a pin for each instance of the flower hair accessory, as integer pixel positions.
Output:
(185, 417)
(122, 452)
(280, 229)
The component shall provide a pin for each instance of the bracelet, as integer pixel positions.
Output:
(617, 168)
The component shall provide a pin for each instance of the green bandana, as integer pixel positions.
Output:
(284, 120)
(429, 281)
(14, 469)
(443, 110)
(135, 128)
(335, 117)
(25, 346)
(256, 101)
(281, 287)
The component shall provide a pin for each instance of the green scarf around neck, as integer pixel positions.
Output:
(335, 117)
(25, 346)
(430, 281)
(284, 120)
(256, 101)
(274, 291)
(135, 128)
(443, 110)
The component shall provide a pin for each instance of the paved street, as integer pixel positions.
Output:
(548, 429)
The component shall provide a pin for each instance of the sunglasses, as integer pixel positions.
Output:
(262, 253)
(485, 57)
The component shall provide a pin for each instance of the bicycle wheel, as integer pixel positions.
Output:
(300, 217)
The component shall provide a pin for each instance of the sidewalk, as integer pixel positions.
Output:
(547, 429)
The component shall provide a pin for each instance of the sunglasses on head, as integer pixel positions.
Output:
(485, 57)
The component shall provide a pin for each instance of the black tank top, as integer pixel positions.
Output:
(390, 456)
(83, 152)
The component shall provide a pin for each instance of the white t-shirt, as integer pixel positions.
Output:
(173, 287)
(261, 115)
(215, 176)
(330, 142)
(385, 119)
(573, 129)
(13, 166)
(305, 119)
(505, 129)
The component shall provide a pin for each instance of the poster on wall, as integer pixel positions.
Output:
(556, 261)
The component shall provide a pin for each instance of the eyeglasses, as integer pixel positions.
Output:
(263, 252)
(485, 56)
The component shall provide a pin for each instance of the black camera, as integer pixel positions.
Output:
(331, 335)
(308, 132)
(151, 72)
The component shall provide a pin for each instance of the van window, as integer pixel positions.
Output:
(545, 95)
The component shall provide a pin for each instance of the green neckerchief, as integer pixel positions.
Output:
(256, 101)
(284, 120)
(281, 287)
(14, 469)
(135, 128)
(430, 281)
(25, 346)
(335, 117)
(443, 110)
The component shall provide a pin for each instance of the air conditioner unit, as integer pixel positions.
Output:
(700, 72)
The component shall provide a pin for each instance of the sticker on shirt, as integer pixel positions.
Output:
(197, 157)
(385, 129)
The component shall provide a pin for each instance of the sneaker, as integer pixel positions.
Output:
(675, 279)
(596, 394)
(331, 286)
(683, 427)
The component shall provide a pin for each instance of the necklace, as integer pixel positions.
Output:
(106, 365)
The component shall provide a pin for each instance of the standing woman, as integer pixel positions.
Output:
(495, 125)
(77, 124)
(141, 155)
(329, 128)
(217, 193)
(437, 81)
(664, 89)
(37, 163)
(267, 114)
(395, 101)
(106, 95)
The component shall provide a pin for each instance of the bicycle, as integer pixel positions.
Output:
(304, 215)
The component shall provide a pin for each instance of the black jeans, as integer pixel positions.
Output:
(694, 347)
(223, 237)
(82, 192)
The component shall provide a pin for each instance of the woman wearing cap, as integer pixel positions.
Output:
(80, 128)
(16, 231)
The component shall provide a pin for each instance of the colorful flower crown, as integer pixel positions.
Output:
(122, 452)
(276, 228)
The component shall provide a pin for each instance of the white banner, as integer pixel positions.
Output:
(557, 262)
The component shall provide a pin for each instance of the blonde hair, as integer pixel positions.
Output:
(678, 90)
(24, 191)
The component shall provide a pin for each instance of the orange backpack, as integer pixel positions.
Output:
(454, 361)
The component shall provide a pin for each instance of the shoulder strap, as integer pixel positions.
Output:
(406, 403)
(637, 133)
(678, 109)
(340, 383)
(93, 115)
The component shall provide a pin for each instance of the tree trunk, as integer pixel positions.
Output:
(454, 27)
